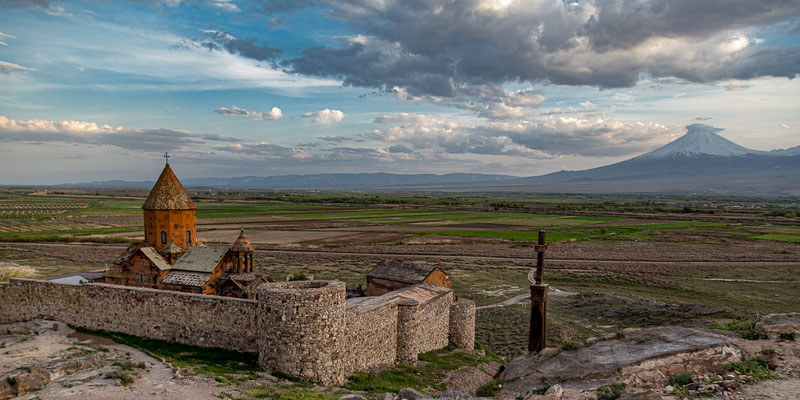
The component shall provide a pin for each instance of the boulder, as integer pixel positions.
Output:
(456, 394)
(775, 324)
(352, 397)
(410, 394)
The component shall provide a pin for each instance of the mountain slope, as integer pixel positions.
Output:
(699, 140)
(698, 162)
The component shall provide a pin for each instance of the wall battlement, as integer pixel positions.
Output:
(306, 329)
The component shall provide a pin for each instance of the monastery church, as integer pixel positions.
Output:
(172, 258)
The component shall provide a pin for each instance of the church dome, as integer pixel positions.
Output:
(242, 244)
(171, 248)
(168, 194)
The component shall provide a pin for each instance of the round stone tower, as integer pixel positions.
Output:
(169, 214)
(301, 329)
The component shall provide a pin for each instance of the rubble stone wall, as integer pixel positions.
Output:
(371, 338)
(301, 329)
(200, 320)
(462, 324)
(433, 324)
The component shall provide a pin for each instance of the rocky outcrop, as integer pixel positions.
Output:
(640, 358)
(775, 324)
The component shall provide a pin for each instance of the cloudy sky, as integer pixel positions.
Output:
(98, 90)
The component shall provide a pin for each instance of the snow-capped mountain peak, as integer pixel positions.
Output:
(700, 139)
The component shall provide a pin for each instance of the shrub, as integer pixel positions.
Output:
(488, 389)
(570, 345)
(787, 336)
(755, 367)
(610, 392)
(124, 378)
(299, 276)
(680, 379)
(744, 326)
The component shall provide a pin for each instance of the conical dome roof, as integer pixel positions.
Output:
(171, 248)
(242, 244)
(168, 194)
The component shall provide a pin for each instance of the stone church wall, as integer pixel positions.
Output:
(304, 329)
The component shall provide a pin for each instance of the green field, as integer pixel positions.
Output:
(665, 260)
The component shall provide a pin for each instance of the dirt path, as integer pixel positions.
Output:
(32, 343)
(552, 292)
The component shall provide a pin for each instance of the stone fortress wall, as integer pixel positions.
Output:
(305, 329)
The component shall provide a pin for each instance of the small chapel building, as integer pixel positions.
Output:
(172, 258)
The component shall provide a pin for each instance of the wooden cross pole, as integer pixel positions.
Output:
(537, 335)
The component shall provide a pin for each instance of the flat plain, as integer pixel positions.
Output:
(613, 261)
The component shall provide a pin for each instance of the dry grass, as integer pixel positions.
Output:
(7, 272)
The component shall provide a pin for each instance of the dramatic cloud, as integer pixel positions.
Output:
(547, 137)
(81, 132)
(403, 48)
(245, 48)
(274, 115)
(325, 116)
(7, 68)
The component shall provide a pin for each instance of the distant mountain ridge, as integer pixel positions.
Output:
(699, 162)
(316, 181)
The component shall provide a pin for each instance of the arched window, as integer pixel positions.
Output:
(163, 237)
(188, 236)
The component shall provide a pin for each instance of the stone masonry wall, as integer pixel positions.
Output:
(462, 324)
(200, 320)
(301, 329)
(407, 327)
(305, 329)
(370, 338)
(433, 324)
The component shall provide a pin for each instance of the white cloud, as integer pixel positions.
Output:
(547, 137)
(737, 85)
(224, 5)
(784, 126)
(403, 95)
(274, 114)
(4, 36)
(325, 116)
(679, 95)
(38, 131)
(7, 68)
(67, 126)
(627, 97)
